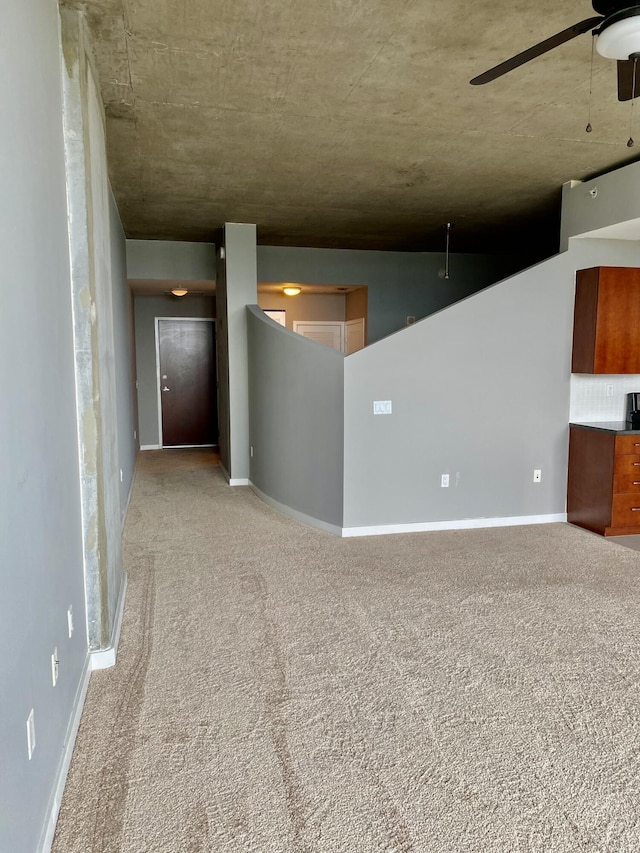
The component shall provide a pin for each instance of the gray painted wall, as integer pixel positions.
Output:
(146, 309)
(166, 259)
(40, 528)
(400, 284)
(296, 421)
(480, 391)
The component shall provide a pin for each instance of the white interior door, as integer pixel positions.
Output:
(327, 332)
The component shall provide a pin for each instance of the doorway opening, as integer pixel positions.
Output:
(334, 315)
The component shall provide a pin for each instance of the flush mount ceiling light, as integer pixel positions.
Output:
(291, 291)
(179, 291)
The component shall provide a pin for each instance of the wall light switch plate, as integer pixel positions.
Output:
(537, 475)
(444, 481)
(382, 407)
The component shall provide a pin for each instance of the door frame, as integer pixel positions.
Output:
(360, 322)
(158, 382)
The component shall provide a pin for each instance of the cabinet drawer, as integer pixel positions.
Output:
(626, 466)
(627, 444)
(626, 482)
(625, 511)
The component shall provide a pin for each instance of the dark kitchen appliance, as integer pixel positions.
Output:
(633, 410)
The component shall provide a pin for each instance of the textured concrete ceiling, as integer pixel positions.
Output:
(351, 123)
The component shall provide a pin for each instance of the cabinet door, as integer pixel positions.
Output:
(584, 321)
(606, 331)
(590, 481)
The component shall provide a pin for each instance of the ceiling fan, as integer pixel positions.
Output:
(617, 28)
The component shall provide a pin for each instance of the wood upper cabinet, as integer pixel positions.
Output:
(606, 327)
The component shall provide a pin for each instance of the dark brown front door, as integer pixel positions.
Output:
(187, 382)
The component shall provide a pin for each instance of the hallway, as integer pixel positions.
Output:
(280, 689)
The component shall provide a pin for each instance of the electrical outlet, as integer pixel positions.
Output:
(54, 666)
(444, 481)
(70, 620)
(382, 407)
(31, 734)
(537, 475)
(608, 390)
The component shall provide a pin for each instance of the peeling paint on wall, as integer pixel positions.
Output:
(89, 248)
(84, 299)
(89, 444)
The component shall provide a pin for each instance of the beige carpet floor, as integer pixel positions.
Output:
(279, 689)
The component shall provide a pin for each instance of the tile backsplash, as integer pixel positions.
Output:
(600, 398)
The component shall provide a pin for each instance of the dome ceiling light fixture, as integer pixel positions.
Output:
(620, 39)
(291, 290)
(179, 291)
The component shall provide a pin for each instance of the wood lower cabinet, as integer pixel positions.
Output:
(603, 491)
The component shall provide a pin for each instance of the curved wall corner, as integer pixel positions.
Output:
(296, 422)
(479, 391)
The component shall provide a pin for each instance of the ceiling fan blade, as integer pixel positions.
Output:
(628, 79)
(536, 50)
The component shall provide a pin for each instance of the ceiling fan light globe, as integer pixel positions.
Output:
(620, 40)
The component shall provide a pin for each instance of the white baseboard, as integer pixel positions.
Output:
(150, 447)
(106, 658)
(293, 513)
(63, 768)
(185, 446)
(240, 481)
(461, 524)
(417, 527)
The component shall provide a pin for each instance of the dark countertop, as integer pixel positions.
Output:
(607, 426)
